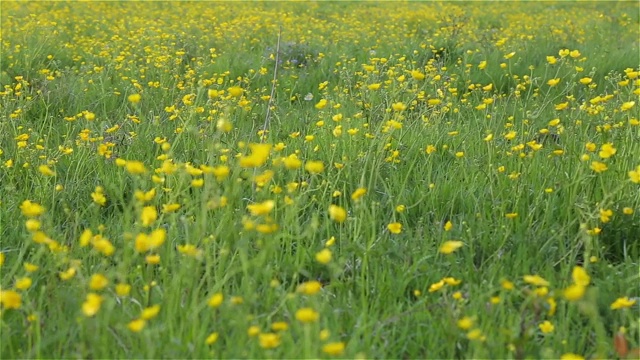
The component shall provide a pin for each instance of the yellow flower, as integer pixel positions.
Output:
(574, 292)
(450, 246)
(333, 348)
(323, 256)
(448, 226)
(535, 280)
(482, 65)
(360, 192)
(625, 210)
(137, 325)
(436, 286)
(475, 334)
(134, 98)
(215, 300)
(571, 356)
(279, 326)
(506, 284)
(321, 104)
(599, 167)
(580, 276)
(31, 209)
(1, 258)
(309, 287)
(553, 82)
(261, 209)
(634, 175)
(585, 81)
(374, 86)
(253, 331)
(98, 282)
(292, 162)
(307, 315)
(46, 171)
(417, 75)
(123, 289)
(621, 303)
(551, 60)
(235, 91)
(211, 339)
(395, 228)
(258, 157)
(10, 299)
(546, 327)
(98, 196)
(269, 340)
(399, 106)
(92, 304)
(148, 215)
(465, 323)
(627, 105)
(144, 242)
(607, 150)
(150, 312)
(337, 213)
(135, 167)
(430, 149)
(314, 167)
(574, 54)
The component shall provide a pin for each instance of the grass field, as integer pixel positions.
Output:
(320, 180)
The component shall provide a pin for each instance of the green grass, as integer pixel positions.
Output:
(513, 185)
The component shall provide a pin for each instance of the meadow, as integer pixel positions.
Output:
(320, 180)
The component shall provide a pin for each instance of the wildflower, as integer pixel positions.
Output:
(98, 282)
(309, 287)
(374, 87)
(68, 274)
(436, 286)
(574, 292)
(465, 323)
(323, 256)
(634, 175)
(314, 167)
(215, 300)
(89, 116)
(333, 348)
(235, 91)
(448, 226)
(535, 280)
(551, 60)
(460, 154)
(482, 65)
(605, 215)
(144, 242)
(621, 303)
(546, 327)
(606, 151)
(92, 304)
(253, 331)
(627, 211)
(10, 299)
(511, 215)
(395, 228)
(627, 105)
(269, 340)
(134, 98)
(258, 157)
(148, 215)
(31, 209)
(136, 325)
(553, 82)
(337, 213)
(307, 315)
(475, 334)
(279, 326)
(599, 167)
(450, 246)
(1, 258)
(261, 209)
(507, 285)
(571, 356)
(123, 289)
(292, 162)
(211, 339)
(321, 104)
(417, 75)
(430, 149)
(98, 196)
(150, 312)
(360, 192)
(399, 106)
(46, 171)
(135, 167)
